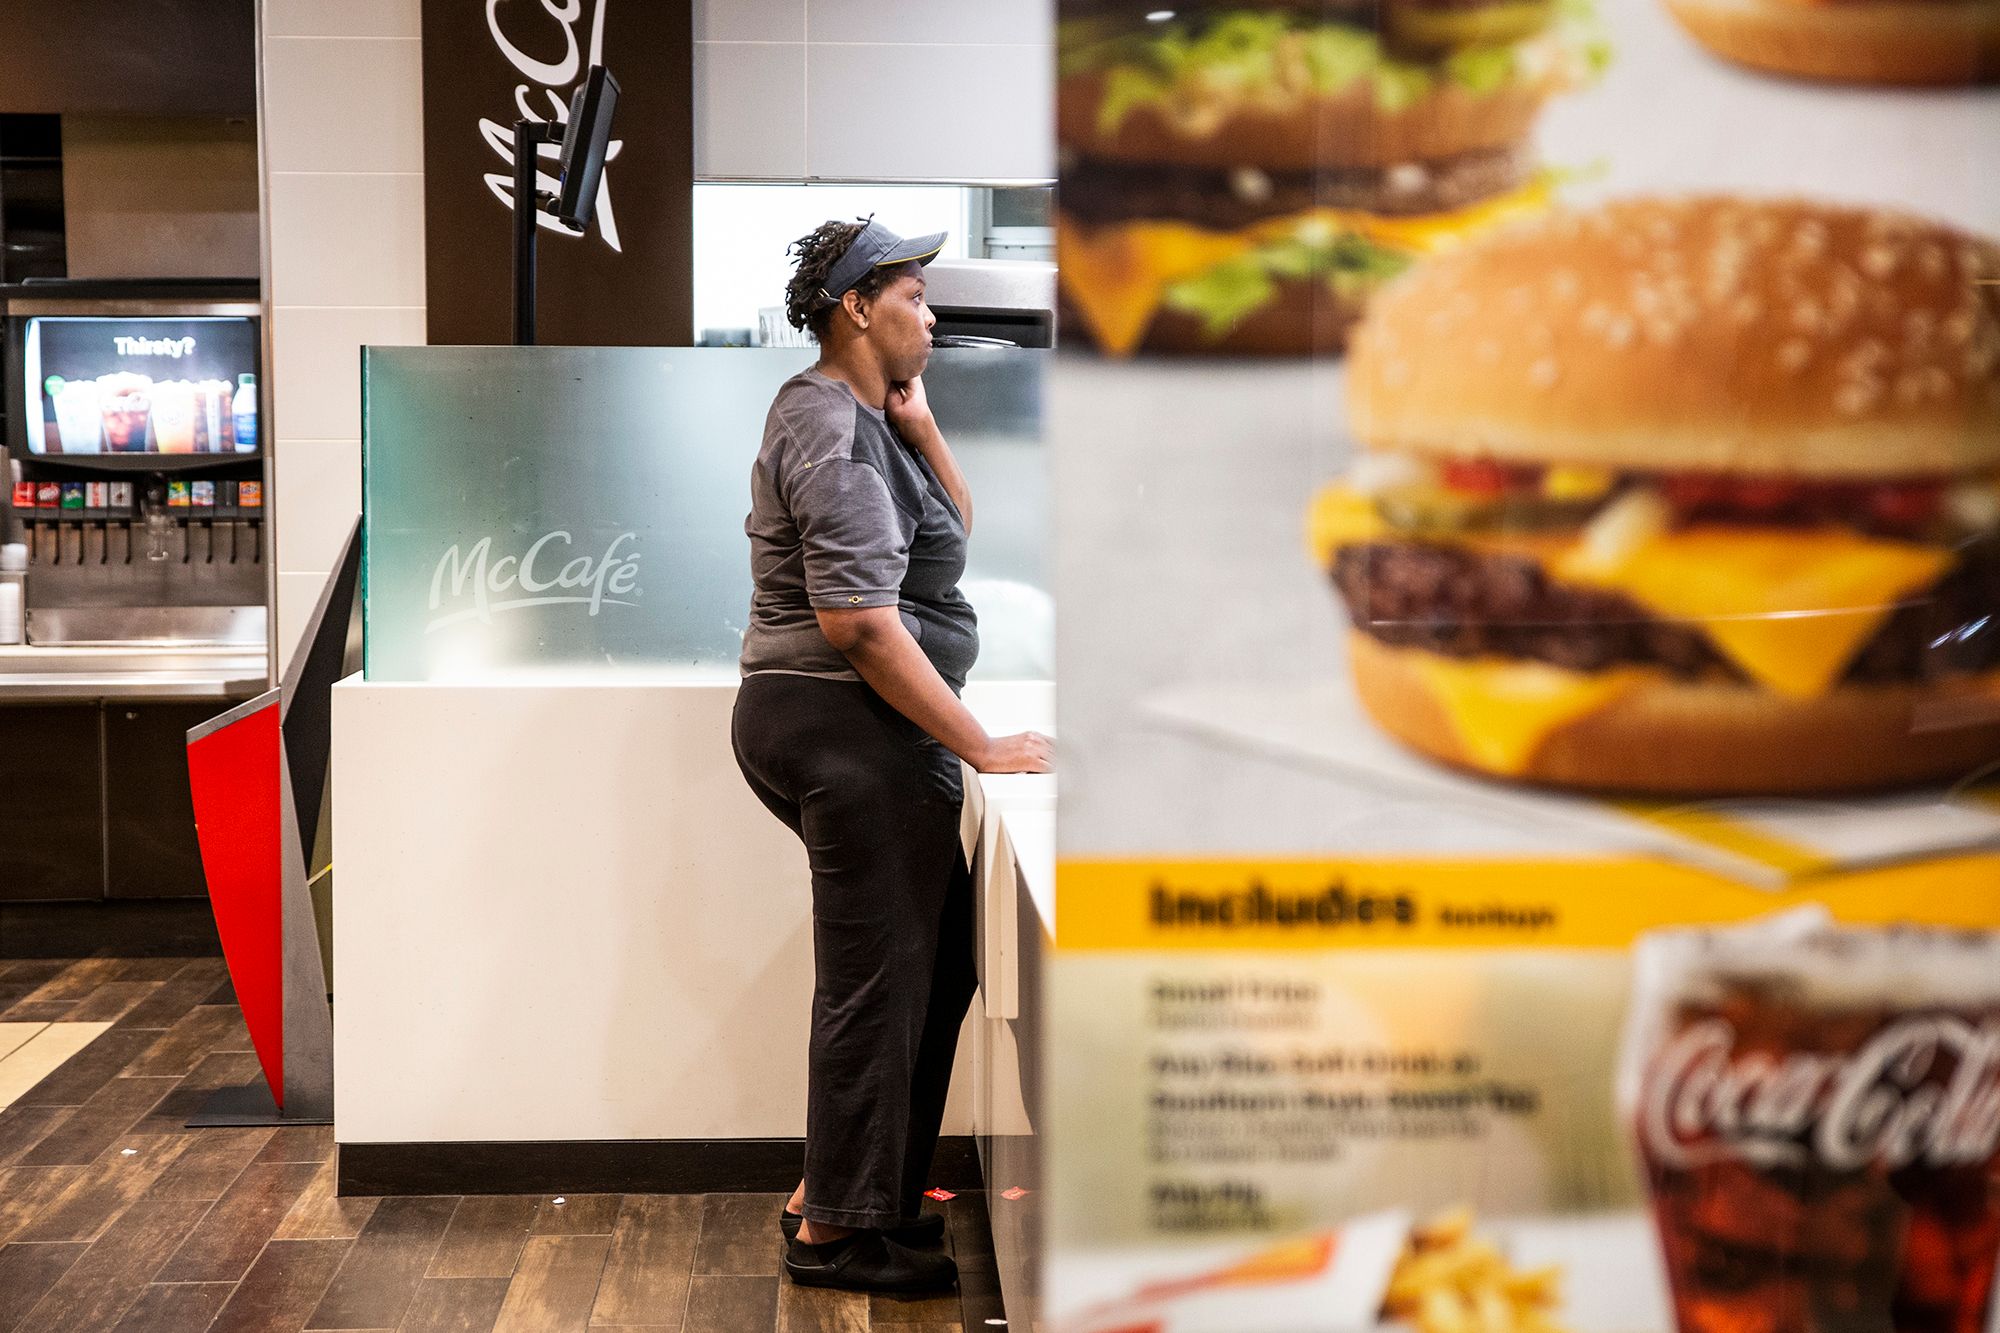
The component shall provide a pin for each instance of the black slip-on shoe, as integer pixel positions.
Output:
(926, 1231)
(868, 1261)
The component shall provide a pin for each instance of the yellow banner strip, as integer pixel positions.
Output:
(1466, 904)
(1737, 837)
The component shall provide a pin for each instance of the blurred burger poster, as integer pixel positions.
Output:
(1528, 483)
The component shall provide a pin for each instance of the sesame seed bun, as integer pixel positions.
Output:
(1673, 738)
(1702, 334)
(1913, 42)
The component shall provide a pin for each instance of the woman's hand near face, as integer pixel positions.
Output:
(1023, 752)
(909, 411)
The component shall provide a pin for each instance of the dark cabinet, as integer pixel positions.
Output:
(149, 843)
(51, 803)
(94, 801)
(31, 198)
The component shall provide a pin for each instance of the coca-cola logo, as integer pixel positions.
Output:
(1887, 1103)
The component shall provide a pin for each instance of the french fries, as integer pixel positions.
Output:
(1450, 1281)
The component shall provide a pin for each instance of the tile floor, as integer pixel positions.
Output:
(115, 1218)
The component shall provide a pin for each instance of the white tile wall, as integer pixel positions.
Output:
(298, 594)
(317, 359)
(318, 502)
(343, 104)
(347, 239)
(343, 158)
(950, 22)
(750, 110)
(343, 18)
(957, 112)
(749, 20)
(954, 90)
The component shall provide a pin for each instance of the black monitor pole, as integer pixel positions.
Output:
(529, 136)
(585, 140)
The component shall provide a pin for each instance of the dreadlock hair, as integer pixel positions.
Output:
(807, 303)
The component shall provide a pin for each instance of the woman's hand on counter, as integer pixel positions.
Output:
(883, 653)
(1023, 752)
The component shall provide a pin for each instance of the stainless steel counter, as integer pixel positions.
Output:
(63, 674)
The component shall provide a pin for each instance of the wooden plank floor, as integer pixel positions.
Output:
(113, 1216)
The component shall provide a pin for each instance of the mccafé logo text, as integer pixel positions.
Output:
(1887, 1104)
(546, 574)
(551, 28)
(173, 347)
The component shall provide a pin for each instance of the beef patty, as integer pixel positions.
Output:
(1099, 192)
(1464, 603)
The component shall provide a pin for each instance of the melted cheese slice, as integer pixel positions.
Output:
(1429, 233)
(1118, 274)
(1503, 711)
(1790, 607)
(1341, 516)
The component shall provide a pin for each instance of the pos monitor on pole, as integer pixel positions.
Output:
(584, 138)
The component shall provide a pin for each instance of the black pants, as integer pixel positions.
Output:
(876, 802)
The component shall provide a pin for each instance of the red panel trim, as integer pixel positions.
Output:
(234, 773)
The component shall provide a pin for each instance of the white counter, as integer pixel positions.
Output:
(1010, 830)
(561, 915)
(63, 673)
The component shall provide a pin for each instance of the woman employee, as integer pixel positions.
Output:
(849, 727)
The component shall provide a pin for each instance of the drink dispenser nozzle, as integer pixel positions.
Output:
(159, 524)
(124, 510)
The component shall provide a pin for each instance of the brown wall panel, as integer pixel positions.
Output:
(162, 197)
(129, 57)
(629, 279)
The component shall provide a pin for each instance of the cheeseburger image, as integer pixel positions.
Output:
(1237, 177)
(1693, 496)
(1853, 41)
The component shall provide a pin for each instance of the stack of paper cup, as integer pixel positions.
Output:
(10, 610)
(13, 576)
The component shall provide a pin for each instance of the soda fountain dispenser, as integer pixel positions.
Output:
(140, 471)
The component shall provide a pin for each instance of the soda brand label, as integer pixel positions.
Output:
(1888, 1104)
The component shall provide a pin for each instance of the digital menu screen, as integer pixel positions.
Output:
(178, 385)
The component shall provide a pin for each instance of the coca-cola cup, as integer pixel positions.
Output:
(1816, 1110)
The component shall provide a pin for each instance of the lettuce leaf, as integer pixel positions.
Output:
(1279, 57)
(1224, 296)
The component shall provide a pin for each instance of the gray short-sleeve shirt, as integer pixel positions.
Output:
(844, 514)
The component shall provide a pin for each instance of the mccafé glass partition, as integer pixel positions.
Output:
(538, 513)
